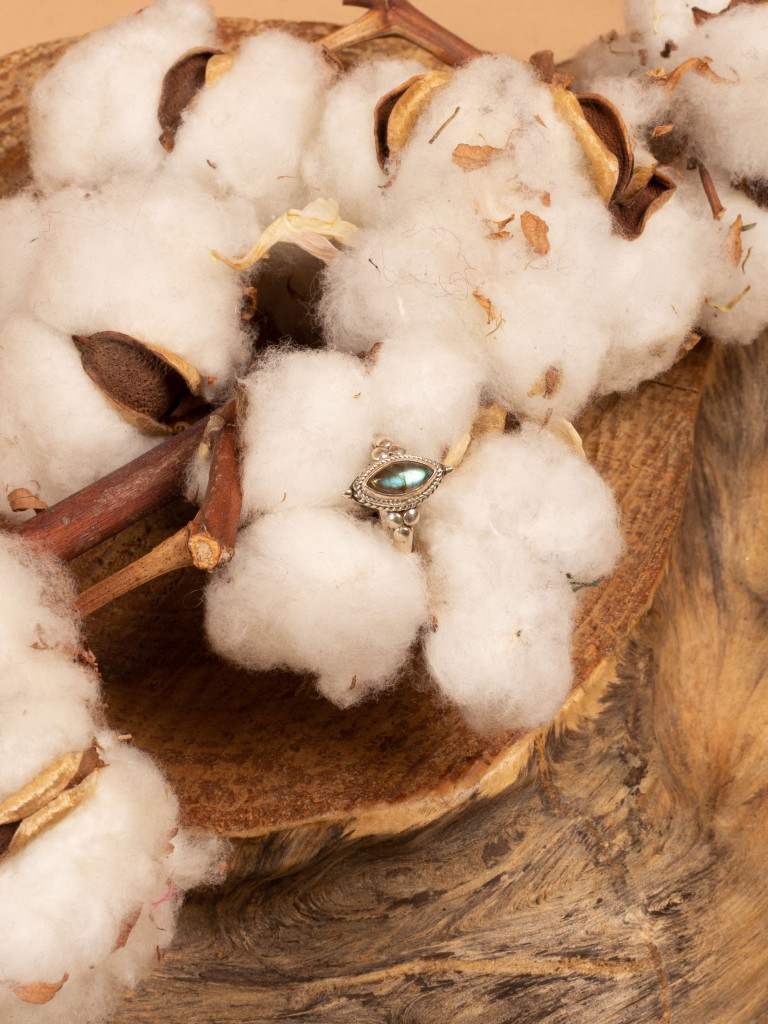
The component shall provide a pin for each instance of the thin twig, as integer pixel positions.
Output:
(120, 499)
(401, 18)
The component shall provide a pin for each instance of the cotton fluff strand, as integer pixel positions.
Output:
(89, 900)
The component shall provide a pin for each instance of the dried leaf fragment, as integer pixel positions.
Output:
(548, 385)
(487, 305)
(181, 84)
(536, 232)
(471, 158)
(146, 382)
(699, 65)
(125, 929)
(662, 129)
(23, 500)
(38, 992)
(733, 243)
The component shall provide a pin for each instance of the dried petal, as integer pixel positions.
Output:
(536, 232)
(146, 382)
(733, 243)
(181, 84)
(471, 158)
(310, 229)
(397, 112)
(22, 500)
(38, 992)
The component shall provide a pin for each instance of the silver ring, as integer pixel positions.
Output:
(394, 484)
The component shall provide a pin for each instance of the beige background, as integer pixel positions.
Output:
(518, 27)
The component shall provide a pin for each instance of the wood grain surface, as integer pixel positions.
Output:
(390, 865)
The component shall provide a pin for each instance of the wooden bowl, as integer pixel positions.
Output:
(262, 757)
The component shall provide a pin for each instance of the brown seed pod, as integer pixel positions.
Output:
(181, 84)
(398, 111)
(146, 382)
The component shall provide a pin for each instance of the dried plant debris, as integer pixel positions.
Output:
(181, 84)
(147, 384)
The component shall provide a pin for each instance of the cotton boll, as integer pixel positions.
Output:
(500, 649)
(308, 429)
(426, 389)
(58, 432)
(340, 160)
(246, 131)
(532, 489)
(726, 119)
(21, 223)
(95, 114)
(321, 592)
(46, 695)
(75, 890)
(137, 258)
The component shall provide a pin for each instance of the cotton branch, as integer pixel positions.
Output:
(121, 498)
(206, 543)
(401, 18)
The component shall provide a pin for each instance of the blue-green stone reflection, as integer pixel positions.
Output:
(401, 478)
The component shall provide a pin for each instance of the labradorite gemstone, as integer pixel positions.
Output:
(401, 478)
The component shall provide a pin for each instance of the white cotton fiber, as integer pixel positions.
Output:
(426, 389)
(247, 130)
(137, 258)
(500, 649)
(95, 113)
(21, 223)
(90, 899)
(340, 159)
(318, 591)
(308, 431)
(58, 432)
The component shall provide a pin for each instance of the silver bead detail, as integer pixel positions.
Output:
(397, 451)
(382, 441)
(411, 517)
(379, 453)
(395, 519)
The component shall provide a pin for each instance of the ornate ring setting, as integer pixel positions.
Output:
(394, 484)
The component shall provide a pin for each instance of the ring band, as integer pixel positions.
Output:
(394, 484)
